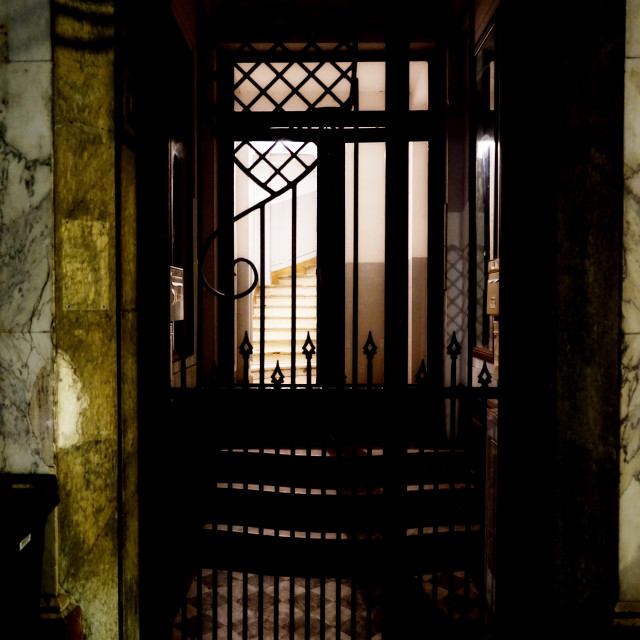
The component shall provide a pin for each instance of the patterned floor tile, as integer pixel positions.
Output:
(455, 597)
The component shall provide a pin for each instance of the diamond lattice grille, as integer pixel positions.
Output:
(275, 165)
(292, 86)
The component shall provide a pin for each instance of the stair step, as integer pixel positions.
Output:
(270, 360)
(307, 321)
(280, 347)
(278, 315)
(301, 374)
(301, 378)
(285, 312)
(284, 289)
(285, 301)
(310, 272)
(284, 333)
(301, 281)
(285, 364)
(282, 324)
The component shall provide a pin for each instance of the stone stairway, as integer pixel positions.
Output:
(278, 326)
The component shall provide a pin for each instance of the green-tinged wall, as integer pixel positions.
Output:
(86, 311)
(96, 324)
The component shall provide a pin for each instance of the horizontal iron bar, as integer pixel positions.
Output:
(300, 557)
(417, 125)
(340, 55)
(329, 471)
(410, 390)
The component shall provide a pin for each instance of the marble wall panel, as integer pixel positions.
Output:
(25, 197)
(629, 553)
(28, 27)
(630, 414)
(26, 239)
(26, 433)
(629, 540)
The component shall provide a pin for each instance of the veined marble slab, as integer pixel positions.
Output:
(26, 216)
(630, 412)
(28, 28)
(26, 415)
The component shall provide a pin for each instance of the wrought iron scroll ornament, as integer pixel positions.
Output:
(278, 174)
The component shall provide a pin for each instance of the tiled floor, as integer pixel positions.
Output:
(307, 617)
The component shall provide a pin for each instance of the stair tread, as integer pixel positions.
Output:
(278, 314)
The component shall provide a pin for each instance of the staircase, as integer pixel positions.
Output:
(277, 347)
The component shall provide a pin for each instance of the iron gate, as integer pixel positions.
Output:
(363, 519)
(348, 500)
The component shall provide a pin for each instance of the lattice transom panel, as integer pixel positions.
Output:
(292, 86)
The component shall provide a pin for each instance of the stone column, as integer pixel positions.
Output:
(86, 326)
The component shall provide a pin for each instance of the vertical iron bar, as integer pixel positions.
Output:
(338, 579)
(183, 622)
(245, 586)
(330, 359)
(354, 531)
(369, 478)
(276, 604)
(452, 451)
(292, 579)
(307, 582)
(262, 293)
(225, 263)
(356, 258)
(468, 447)
(294, 251)
(229, 604)
(307, 607)
(436, 208)
(199, 601)
(485, 380)
(260, 574)
(472, 195)
(323, 536)
(292, 606)
(396, 203)
(245, 606)
(437, 467)
(214, 602)
(276, 577)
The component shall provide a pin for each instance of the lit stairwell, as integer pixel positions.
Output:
(277, 347)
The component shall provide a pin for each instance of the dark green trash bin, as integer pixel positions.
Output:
(26, 500)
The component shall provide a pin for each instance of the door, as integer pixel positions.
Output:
(330, 166)
(339, 152)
